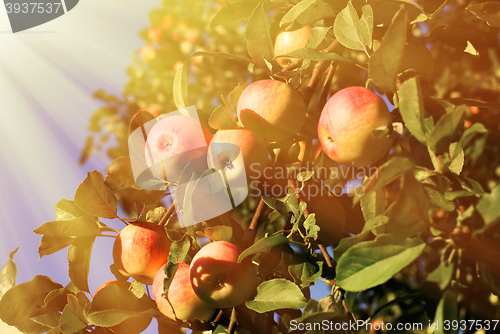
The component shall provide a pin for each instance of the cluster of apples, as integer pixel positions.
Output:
(214, 279)
(268, 111)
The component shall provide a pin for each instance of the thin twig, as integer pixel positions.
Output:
(318, 70)
(167, 215)
(258, 212)
(232, 323)
(252, 228)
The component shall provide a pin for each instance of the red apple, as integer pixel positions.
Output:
(217, 277)
(140, 249)
(287, 41)
(238, 152)
(346, 124)
(129, 326)
(272, 108)
(174, 142)
(185, 302)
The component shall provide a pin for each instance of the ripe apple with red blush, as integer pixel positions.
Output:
(140, 249)
(272, 108)
(185, 302)
(174, 142)
(218, 279)
(346, 124)
(238, 152)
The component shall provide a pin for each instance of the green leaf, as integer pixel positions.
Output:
(222, 118)
(181, 86)
(366, 23)
(347, 28)
(447, 309)
(409, 214)
(387, 173)
(233, 11)
(306, 12)
(8, 274)
(79, 227)
(439, 199)
(372, 263)
(259, 42)
(120, 175)
(23, 301)
(95, 197)
(317, 35)
(489, 207)
(72, 318)
(442, 275)
(263, 245)
(311, 54)
(305, 273)
(310, 225)
(113, 305)
(373, 204)
(488, 11)
(225, 55)
(446, 130)
(316, 311)
(277, 294)
(467, 136)
(79, 262)
(68, 210)
(50, 244)
(385, 62)
(137, 289)
(376, 225)
(346, 243)
(217, 233)
(411, 107)
(457, 163)
(305, 176)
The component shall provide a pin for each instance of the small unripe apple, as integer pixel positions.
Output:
(346, 124)
(140, 249)
(272, 108)
(174, 142)
(217, 277)
(287, 41)
(186, 304)
(129, 326)
(238, 152)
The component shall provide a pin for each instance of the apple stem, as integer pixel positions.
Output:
(168, 213)
(232, 322)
